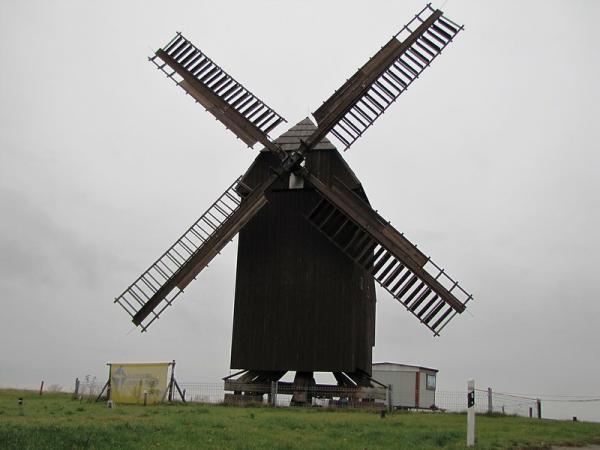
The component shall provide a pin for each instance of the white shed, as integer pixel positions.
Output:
(412, 386)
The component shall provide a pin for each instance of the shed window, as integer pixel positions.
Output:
(430, 382)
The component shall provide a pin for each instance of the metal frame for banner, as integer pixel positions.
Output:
(169, 392)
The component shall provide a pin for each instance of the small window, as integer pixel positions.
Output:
(430, 382)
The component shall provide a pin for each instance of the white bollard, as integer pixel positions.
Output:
(471, 413)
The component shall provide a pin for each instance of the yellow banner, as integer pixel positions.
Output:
(129, 382)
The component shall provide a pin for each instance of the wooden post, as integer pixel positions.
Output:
(390, 405)
(490, 404)
(417, 389)
(539, 408)
(145, 398)
(273, 394)
(76, 388)
(102, 391)
(108, 384)
(181, 394)
(172, 382)
(471, 413)
(530, 412)
(42, 387)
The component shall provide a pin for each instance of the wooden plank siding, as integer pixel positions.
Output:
(300, 303)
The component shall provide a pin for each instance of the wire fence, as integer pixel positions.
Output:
(285, 395)
(213, 393)
(450, 401)
(88, 388)
(487, 402)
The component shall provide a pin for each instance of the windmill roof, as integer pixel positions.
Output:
(290, 140)
(392, 365)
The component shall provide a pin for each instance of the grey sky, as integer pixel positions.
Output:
(489, 162)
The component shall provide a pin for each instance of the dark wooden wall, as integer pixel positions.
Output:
(300, 303)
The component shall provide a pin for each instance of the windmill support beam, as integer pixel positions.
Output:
(383, 233)
(213, 245)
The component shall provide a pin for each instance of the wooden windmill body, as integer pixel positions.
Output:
(300, 304)
(310, 246)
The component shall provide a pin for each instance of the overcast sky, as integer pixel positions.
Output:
(489, 162)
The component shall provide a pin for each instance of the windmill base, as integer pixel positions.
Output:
(352, 389)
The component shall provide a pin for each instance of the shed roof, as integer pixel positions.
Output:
(290, 140)
(392, 366)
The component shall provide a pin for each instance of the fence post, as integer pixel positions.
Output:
(390, 405)
(171, 382)
(539, 408)
(490, 404)
(471, 413)
(76, 388)
(42, 387)
(274, 393)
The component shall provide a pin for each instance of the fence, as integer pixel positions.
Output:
(88, 388)
(559, 406)
(203, 392)
(486, 401)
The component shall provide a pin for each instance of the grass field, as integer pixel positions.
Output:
(55, 421)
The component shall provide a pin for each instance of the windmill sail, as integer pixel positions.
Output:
(156, 289)
(225, 98)
(368, 93)
(425, 289)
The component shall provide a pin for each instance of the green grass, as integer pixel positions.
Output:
(55, 421)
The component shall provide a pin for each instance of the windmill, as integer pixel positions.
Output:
(310, 246)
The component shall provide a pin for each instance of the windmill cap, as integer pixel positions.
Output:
(290, 140)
